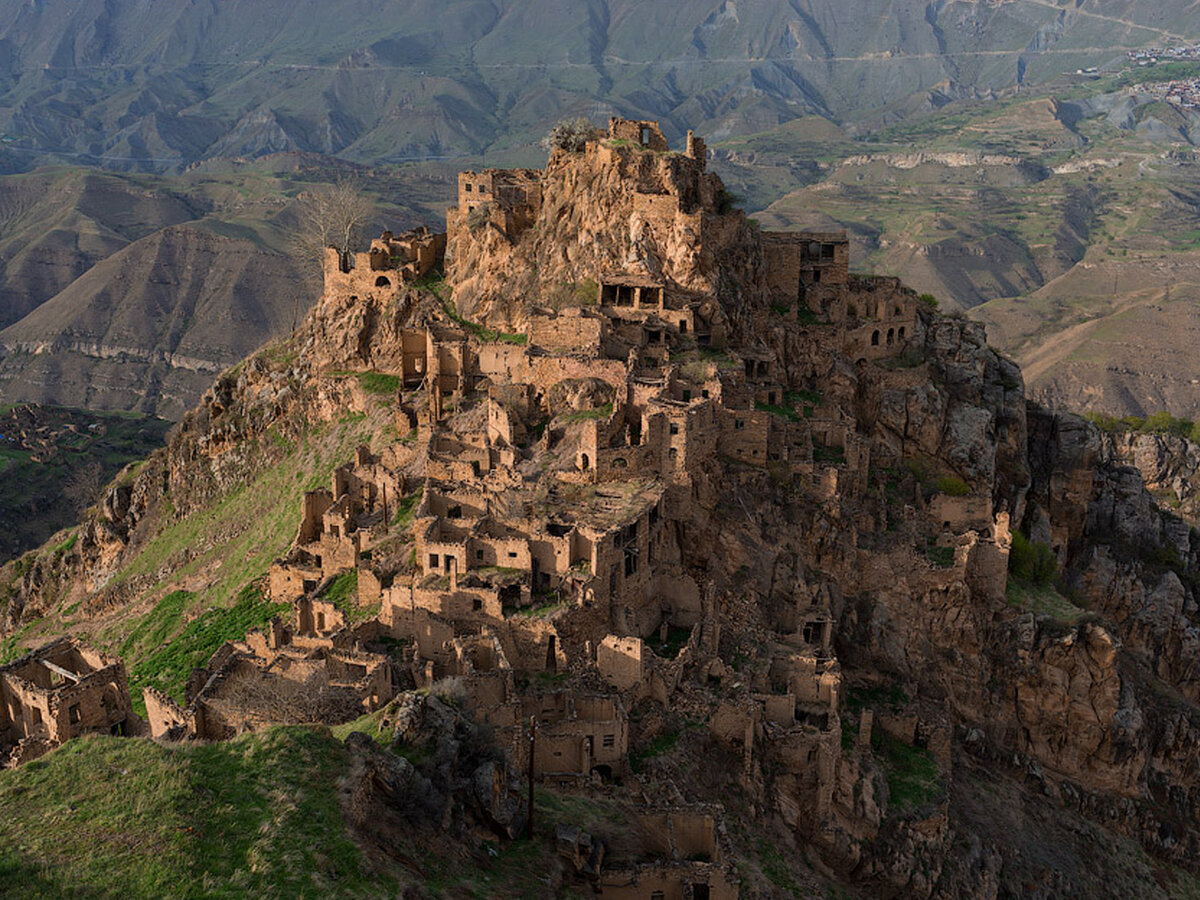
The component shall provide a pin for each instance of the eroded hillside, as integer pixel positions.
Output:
(131, 293)
(1064, 217)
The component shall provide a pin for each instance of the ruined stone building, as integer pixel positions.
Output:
(58, 692)
(314, 669)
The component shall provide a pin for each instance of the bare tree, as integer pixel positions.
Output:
(330, 216)
(83, 485)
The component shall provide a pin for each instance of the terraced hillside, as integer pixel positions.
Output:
(1066, 218)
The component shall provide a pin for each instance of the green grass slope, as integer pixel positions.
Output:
(256, 816)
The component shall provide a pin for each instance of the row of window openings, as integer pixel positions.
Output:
(892, 336)
(434, 558)
(627, 534)
(35, 713)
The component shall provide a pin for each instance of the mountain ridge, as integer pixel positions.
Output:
(418, 80)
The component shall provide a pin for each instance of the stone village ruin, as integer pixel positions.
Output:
(553, 473)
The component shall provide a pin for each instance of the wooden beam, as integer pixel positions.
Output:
(65, 673)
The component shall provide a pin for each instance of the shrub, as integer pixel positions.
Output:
(1030, 562)
(571, 135)
(1161, 422)
(929, 300)
(1165, 423)
(379, 383)
(725, 201)
(479, 217)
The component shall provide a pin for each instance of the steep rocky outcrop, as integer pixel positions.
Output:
(1169, 465)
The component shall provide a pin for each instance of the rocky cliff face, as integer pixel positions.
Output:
(589, 223)
(1169, 466)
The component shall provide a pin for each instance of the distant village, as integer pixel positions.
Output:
(1186, 93)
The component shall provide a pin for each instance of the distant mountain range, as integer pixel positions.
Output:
(130, 84)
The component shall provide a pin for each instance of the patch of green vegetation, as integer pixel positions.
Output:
(658, 745)
(726, 201)
(406, 508)
(249, 526)
(912, 774)
(877, 697)
(813, 397)
(547, 604)
(483, 333)
(379, 383)
(370, 724)
(953, 486)
(342, 592)
(434, 282)
(590, 813)
(67, 545)
(255, 816)
(584, 415)
(775, 868)
(156, 628)
(1157, 423)
(1163, 71)
(720, 358)
(677, 636)
(909, 358)
(939, 557)
(13, 646)
(784, 412)
(1031, 563)
(849, 736)
(835, 455)
(168, 668)
(1043, 601)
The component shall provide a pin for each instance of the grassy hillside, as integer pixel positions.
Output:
(191, 583)
(256, 816)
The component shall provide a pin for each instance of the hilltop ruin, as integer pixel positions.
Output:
(690, 517)
(559, 474)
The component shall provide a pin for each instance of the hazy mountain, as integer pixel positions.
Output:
(130, 291)
(1066, 217)
(128, 84)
